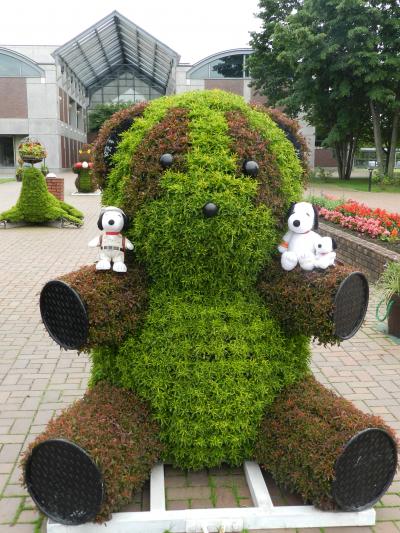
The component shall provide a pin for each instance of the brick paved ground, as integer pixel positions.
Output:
(37, 379)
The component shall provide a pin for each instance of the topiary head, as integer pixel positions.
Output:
(85, 153)
(206, 180)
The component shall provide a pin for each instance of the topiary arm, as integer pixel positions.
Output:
(90, 308)
(329, 305)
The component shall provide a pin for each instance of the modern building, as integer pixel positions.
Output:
(46, 92)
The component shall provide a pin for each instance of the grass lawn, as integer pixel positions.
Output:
(355, 184)
(5, 180)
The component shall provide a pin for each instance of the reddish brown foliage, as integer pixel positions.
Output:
(116, 429)
(119, 122)
(248, 144)
(302, 435)
(115, 302)
(291, 127)
(170, 135)
(303, 301)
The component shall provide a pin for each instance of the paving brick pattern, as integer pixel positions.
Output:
(37, 379)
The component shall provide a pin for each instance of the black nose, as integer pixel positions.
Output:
(111, 222)
(296, 223)
(210, 210)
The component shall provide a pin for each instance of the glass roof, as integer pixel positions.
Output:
(113, 42)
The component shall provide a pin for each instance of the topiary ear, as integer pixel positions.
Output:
(100, 221)
(290, 210)
(316, 215)
(334, 244)
(126, 222)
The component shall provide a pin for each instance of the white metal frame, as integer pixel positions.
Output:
(264, 515)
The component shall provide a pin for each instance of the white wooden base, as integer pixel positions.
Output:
(76, 193)
(264, 515)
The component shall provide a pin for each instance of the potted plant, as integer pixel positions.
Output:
(31, 151)
(389, 287)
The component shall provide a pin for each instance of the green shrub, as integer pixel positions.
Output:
(321, 174)
(323, 201)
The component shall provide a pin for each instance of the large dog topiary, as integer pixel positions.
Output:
(201, 350)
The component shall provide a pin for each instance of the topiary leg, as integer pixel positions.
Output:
(322, 447)
(91, 459)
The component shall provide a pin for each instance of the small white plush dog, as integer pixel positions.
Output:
(112, 244)
(324, 252)
(298, 244)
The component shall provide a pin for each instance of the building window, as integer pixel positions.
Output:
(6, 151)
(229, 66)
(125, 87)
(12, 66)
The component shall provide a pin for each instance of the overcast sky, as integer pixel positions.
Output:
(193, 28)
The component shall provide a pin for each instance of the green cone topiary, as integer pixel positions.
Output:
(37, 205)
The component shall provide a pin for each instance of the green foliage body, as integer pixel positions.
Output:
(210, 356)
(84, 181)
(333, 60)
(36, 205)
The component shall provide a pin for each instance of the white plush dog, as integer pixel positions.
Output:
(298, 244)
(324, 252)
(112, 244)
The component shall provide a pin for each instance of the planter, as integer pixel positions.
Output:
(394, 316)
(31, 159)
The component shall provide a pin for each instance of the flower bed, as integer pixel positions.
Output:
(375, 223)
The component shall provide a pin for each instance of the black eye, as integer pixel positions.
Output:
(319, 245)
(250, 168)
(166, 160)
(308, 214)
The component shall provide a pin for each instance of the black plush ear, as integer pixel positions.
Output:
(126, 222)
(290, 210)
(100, 221)
(334, 244)
(316, 215)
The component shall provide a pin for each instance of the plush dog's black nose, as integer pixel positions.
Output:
(210, 210)
(296, 223)
(111, 222)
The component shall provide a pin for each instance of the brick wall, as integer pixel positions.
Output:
(13, 98)
(56, 187)
(359, 253)
(324, 158)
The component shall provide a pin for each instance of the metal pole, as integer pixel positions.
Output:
(370, 170)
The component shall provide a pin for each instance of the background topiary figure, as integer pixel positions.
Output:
(36, 205)
(204, 331)
(84, 168)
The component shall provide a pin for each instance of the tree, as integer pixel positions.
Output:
(333, 61)
(378, 65)
(102, 112)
